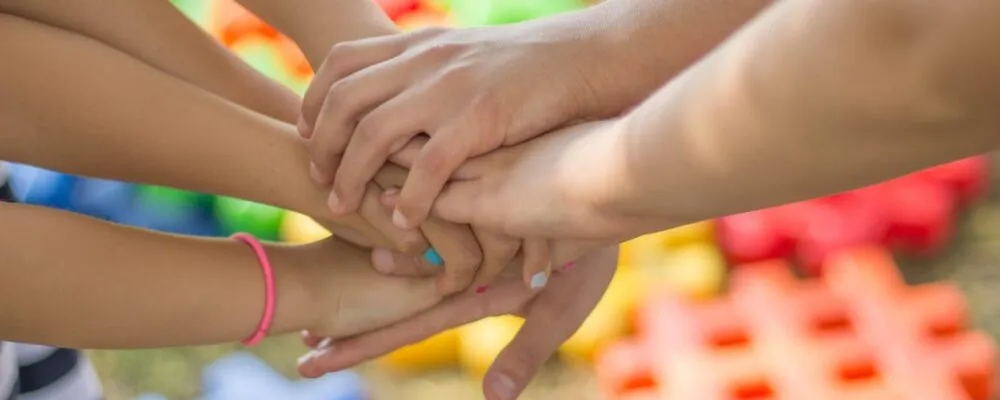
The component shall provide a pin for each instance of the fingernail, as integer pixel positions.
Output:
(388, 197)
(481, 289)
(325, 344)
(333, 201)
(400, 220)
(503, 387)
(315, 174)
(306, 357)
(539, 280)
(569, 266)
(383, 261)
(433, 257)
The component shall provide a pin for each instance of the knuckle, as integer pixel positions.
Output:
(411, 244)
(338, 93)
(340, 52)
(371, 129)
(430, 31)
(436, 162)
(443, 50)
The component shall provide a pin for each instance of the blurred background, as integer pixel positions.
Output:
(942, 224)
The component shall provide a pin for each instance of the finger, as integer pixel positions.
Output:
(410, 242)
(455, 244)
(437, 161)
(409, 153)
(505, 297)
(380, 133)
(550, 320)
(347, 101)
(537, 263)
(392, 263)
(459, 202)
(344, 59)
(310, 340)
(498, 251)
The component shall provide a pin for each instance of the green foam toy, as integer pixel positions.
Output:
(198, 11)
(171, 199)
(499, 12)
(260, 220)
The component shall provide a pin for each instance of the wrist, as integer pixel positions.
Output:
(296, 296)
(596, 180)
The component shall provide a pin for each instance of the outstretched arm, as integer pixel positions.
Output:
(811, 98)
(121, 287)
(74, 105)
(316, 25)
(155, 32)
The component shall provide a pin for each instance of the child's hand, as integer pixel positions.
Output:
(470, 90)
(551, 317)
(352, 297)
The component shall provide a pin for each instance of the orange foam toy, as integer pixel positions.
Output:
(857, 333)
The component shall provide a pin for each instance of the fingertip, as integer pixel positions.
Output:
(316, 174)
(500, 386)
(336, 205)
(389, 197)
(305, 131)
(401, 221)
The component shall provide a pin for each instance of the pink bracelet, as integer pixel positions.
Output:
(265, 264)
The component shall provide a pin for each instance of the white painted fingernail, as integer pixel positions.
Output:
(326, 343)
(539, 280)
(306, 357)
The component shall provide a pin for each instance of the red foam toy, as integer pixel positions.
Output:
(397, 8)
(859, 333)
(836, 223)
(967, 178)
(920, 212)
(753, 236)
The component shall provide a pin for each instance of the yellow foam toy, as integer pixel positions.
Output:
(611, 319)
(698, 232)
(697, 271)
(481, 342)
(438, 351)
(643, 251)
(297, 228)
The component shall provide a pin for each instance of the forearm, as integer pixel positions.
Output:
(657, 39)
(77, 106)
(316, 25)
(154, 32)
(812, 98)
(119, 287)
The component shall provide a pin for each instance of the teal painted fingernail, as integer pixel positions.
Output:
(539, 280)
(433, 257)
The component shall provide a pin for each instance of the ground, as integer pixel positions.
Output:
(972, 263)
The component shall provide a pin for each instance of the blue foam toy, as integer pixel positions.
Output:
(181, 222)
(41, 187)
(102, 198)
(169, 210)
(242, 376)
(151, 396)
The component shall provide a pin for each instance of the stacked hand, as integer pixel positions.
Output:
(430, 100)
